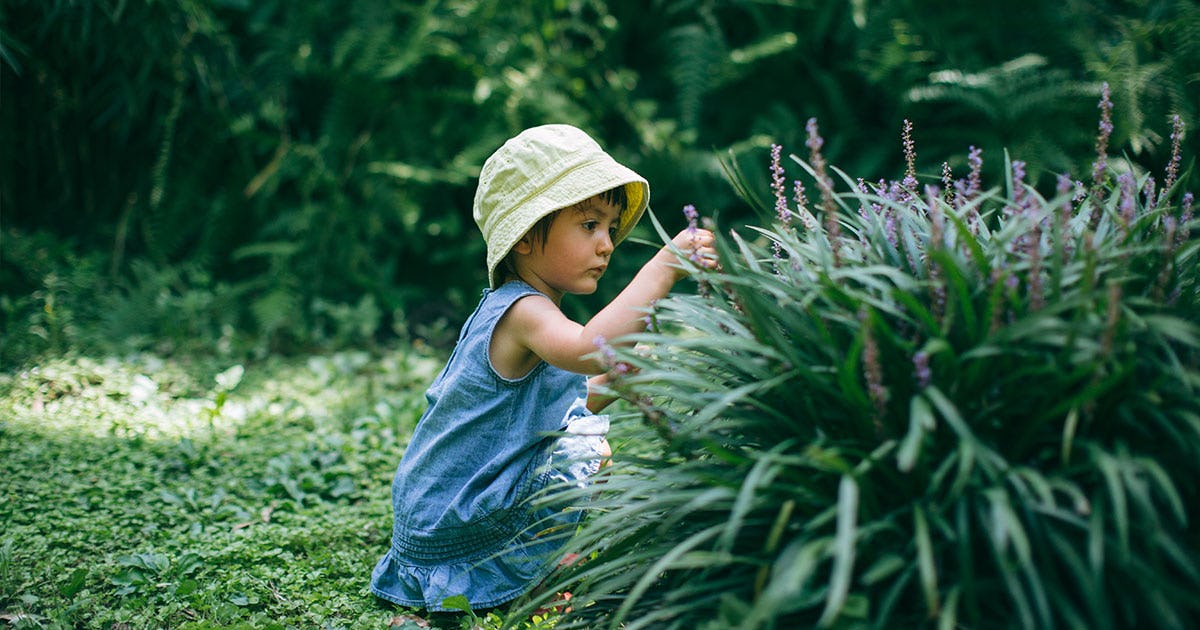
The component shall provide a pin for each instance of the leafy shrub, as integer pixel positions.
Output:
(901, 404)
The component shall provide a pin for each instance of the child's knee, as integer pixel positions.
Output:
(605, 453)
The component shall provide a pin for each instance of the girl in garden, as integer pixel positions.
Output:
(512, 412)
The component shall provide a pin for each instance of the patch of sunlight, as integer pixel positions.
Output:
(152, 398)
(138, 396)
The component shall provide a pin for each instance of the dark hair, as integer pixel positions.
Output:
(613, 196)
(541, 230)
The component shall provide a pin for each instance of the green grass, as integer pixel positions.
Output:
(141, 492)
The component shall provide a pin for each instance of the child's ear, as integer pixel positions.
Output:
(523, 246)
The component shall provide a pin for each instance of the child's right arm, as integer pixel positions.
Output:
(537, 325)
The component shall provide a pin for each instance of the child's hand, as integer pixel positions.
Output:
(694, 244)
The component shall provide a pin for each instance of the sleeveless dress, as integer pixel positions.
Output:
(464, 523)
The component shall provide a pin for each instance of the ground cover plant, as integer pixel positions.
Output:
(141, 492)
(917, 402)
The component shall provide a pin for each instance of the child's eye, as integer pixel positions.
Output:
(590, 225)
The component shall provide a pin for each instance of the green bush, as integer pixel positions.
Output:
(900, 405)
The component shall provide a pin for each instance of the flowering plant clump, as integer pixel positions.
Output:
(912, 402)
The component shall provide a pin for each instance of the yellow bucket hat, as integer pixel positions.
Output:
(541, 170)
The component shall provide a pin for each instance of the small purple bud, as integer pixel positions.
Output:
(921, 369)
(689, 213)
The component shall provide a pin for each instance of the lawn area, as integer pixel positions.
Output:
(140, 492)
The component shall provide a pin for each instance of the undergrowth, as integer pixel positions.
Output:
(142, 492)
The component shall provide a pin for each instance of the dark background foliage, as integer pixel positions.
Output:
(271, 176)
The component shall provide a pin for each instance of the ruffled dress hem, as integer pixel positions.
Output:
(505, 554)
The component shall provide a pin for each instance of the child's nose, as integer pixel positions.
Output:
(605, 246)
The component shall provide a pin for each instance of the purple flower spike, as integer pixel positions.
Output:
(689, 213)
(650, 319)
(693, 217)
(910, 157)
(815, 141)
(1176, 140)
(1100, 166)
(825, 185)
(974, 178)
(948, 181)
(1064, 183)
(777, 186)
(1018, 182)
(1185, 219)
(873, 371)
(1128, 202)
(608, 355)
(806, 217)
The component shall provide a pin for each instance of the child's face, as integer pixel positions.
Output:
(576, 251)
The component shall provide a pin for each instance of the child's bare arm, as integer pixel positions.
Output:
(537, 324)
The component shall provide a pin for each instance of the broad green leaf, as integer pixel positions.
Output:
(457, 602)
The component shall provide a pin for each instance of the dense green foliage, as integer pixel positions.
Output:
(989, 419)
(267, 176)
(902, 404)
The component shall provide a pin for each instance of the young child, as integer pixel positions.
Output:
(512, 412)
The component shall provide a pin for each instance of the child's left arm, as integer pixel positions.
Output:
(542, 328)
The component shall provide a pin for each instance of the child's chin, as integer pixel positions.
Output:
(585, 289)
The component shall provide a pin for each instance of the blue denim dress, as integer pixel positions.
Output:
(463, 519)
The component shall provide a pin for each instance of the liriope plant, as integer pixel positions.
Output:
(901, 404)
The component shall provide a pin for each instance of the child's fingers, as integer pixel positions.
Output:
(702, 250)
